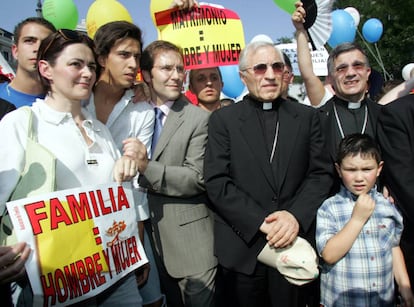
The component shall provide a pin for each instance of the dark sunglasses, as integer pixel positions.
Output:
(261, 68)
(67, 35)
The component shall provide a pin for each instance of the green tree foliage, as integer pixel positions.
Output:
(396, 46)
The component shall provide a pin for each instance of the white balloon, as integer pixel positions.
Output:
(354, 13)
(261, 38)
(408, 71)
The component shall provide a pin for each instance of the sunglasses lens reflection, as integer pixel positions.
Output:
(261, 68)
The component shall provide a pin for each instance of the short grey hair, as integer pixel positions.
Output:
(252, 48)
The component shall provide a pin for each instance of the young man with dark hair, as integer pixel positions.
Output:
(25, 88)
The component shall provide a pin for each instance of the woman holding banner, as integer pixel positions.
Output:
(83, 149)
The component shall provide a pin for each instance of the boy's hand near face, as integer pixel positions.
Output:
(363, 208)
(341, 243)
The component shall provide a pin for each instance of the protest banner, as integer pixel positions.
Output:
(5, 68)
(83, 241)
(319, 59)
(209, 35)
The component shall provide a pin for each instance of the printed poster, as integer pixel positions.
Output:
(319, 58)
(209, 35)
(83, 241)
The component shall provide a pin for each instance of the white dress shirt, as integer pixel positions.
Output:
(129, 119)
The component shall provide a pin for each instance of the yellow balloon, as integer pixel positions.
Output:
(157, 6)
(103, 11)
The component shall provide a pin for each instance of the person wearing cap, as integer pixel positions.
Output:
(26, 87)
(206, 84)
(266, 173)
(358, 233)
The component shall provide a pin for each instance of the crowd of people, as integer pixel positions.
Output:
(215, 182)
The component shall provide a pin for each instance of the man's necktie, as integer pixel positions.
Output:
(159, 115)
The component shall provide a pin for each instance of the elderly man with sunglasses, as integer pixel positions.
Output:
(266, 174)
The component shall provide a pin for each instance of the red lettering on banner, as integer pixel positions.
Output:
(34, 216)
(58, 214)
(94, 204)
(124, 254)
(122, 199)
(74, 280)
(104, 209)
(80, 208)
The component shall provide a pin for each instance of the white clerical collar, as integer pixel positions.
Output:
(267, 105)
(354, 105)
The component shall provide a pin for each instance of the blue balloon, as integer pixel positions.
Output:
(372, 30)
(233, 86)
(343, 28)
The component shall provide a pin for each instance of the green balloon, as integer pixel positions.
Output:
(63, 14)
(286, 5)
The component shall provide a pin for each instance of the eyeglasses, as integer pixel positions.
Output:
(357, 66)
(261, 68)
(68, 35)
(169, 69)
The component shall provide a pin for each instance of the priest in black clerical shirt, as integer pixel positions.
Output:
(266, 172)
(350, 110)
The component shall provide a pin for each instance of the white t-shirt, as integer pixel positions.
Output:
(328, 95)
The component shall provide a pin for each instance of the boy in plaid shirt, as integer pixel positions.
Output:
(358, 233)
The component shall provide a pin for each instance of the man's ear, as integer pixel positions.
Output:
(338, 169)
(190, 88)
(15, 51)
(242, 76)
(380, 165)
(102, 61)
(146, 75)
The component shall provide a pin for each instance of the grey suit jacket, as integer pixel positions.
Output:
(181, 220)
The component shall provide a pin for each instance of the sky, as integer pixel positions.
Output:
(257, 16)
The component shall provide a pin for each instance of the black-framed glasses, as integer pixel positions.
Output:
(261, 68)
(67, 35)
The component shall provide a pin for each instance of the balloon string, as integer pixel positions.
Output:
(387, 76)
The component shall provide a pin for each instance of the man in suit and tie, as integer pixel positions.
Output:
(266, 174)
(182, 224)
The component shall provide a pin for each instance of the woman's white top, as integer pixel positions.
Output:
(77, 163)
